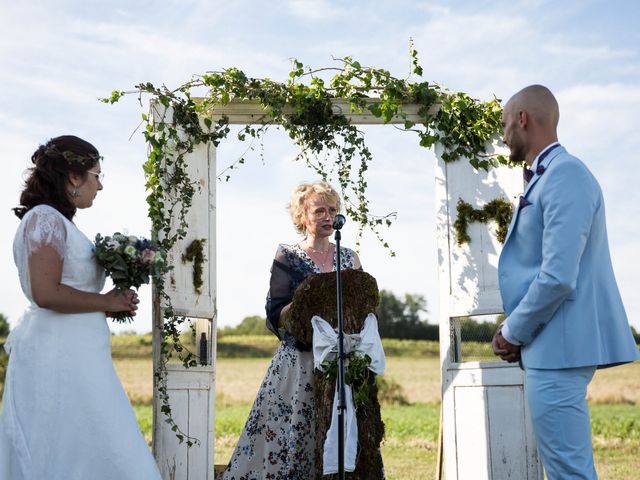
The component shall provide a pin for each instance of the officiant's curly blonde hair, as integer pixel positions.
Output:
(298, 204)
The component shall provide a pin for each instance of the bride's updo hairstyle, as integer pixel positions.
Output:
(298, 205)
(47, 182)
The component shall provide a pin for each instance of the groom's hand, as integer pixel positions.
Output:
(505, 350)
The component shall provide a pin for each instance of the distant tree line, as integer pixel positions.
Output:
(397, 318)
(404, 317)
(401, 318)
(253, 325)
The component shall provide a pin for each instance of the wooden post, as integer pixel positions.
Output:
(191, 390)
(486, 429)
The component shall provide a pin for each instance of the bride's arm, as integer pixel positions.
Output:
(47, 291)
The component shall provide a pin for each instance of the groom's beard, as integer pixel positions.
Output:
(517, 152)
(516, 157)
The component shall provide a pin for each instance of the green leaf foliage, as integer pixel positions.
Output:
(195, 254)
(4, 326)
(329, 144)
(498, 209)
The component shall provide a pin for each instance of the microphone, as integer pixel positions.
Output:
(339, 221)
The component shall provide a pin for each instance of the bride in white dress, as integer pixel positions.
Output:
(65, 415)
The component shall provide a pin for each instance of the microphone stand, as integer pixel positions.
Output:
(341, 396)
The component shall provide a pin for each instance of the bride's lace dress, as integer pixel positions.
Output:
(65, 415)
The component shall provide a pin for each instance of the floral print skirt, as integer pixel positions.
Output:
(278, 440)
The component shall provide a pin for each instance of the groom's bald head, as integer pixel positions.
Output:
(539, 103)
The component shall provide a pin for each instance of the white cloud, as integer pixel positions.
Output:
(58, 88)
(314, 10)
(585, 54)
(601, 116)
(71, 54)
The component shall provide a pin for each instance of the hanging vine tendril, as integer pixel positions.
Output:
(328, 143)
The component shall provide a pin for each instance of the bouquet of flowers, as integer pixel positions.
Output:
(130, 261)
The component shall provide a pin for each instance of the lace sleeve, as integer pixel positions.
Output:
(44, 226)
(280, 291)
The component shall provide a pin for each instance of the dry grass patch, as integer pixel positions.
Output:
(621, 462)
(238, 379)
(224, 447)
(136, 375)
(419, 378)
(616, 386)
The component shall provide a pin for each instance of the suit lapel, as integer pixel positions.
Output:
(531, 184)
(511, 226)
(547, 161)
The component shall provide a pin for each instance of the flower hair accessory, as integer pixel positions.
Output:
(72, 157)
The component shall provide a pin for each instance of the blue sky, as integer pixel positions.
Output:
(58, 57)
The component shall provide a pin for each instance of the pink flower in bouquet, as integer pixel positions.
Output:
(148, 256)
(130, 262)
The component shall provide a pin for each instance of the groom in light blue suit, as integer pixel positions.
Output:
(565, 317)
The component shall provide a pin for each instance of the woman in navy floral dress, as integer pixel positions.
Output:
(278, 440)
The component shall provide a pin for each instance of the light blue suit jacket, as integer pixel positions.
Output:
(556, 279)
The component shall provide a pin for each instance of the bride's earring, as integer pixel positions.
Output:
(74, 182)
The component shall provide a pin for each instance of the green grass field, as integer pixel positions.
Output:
(410, 446)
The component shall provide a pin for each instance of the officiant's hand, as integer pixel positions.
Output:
(284, 316)
(505, 350)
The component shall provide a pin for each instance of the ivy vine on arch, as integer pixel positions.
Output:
(328, 142)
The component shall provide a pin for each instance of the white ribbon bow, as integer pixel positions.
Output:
(325, 344)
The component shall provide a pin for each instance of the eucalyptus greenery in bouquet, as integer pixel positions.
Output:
(130, 261)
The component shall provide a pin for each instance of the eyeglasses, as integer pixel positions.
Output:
(99, 175)
(321, 212)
